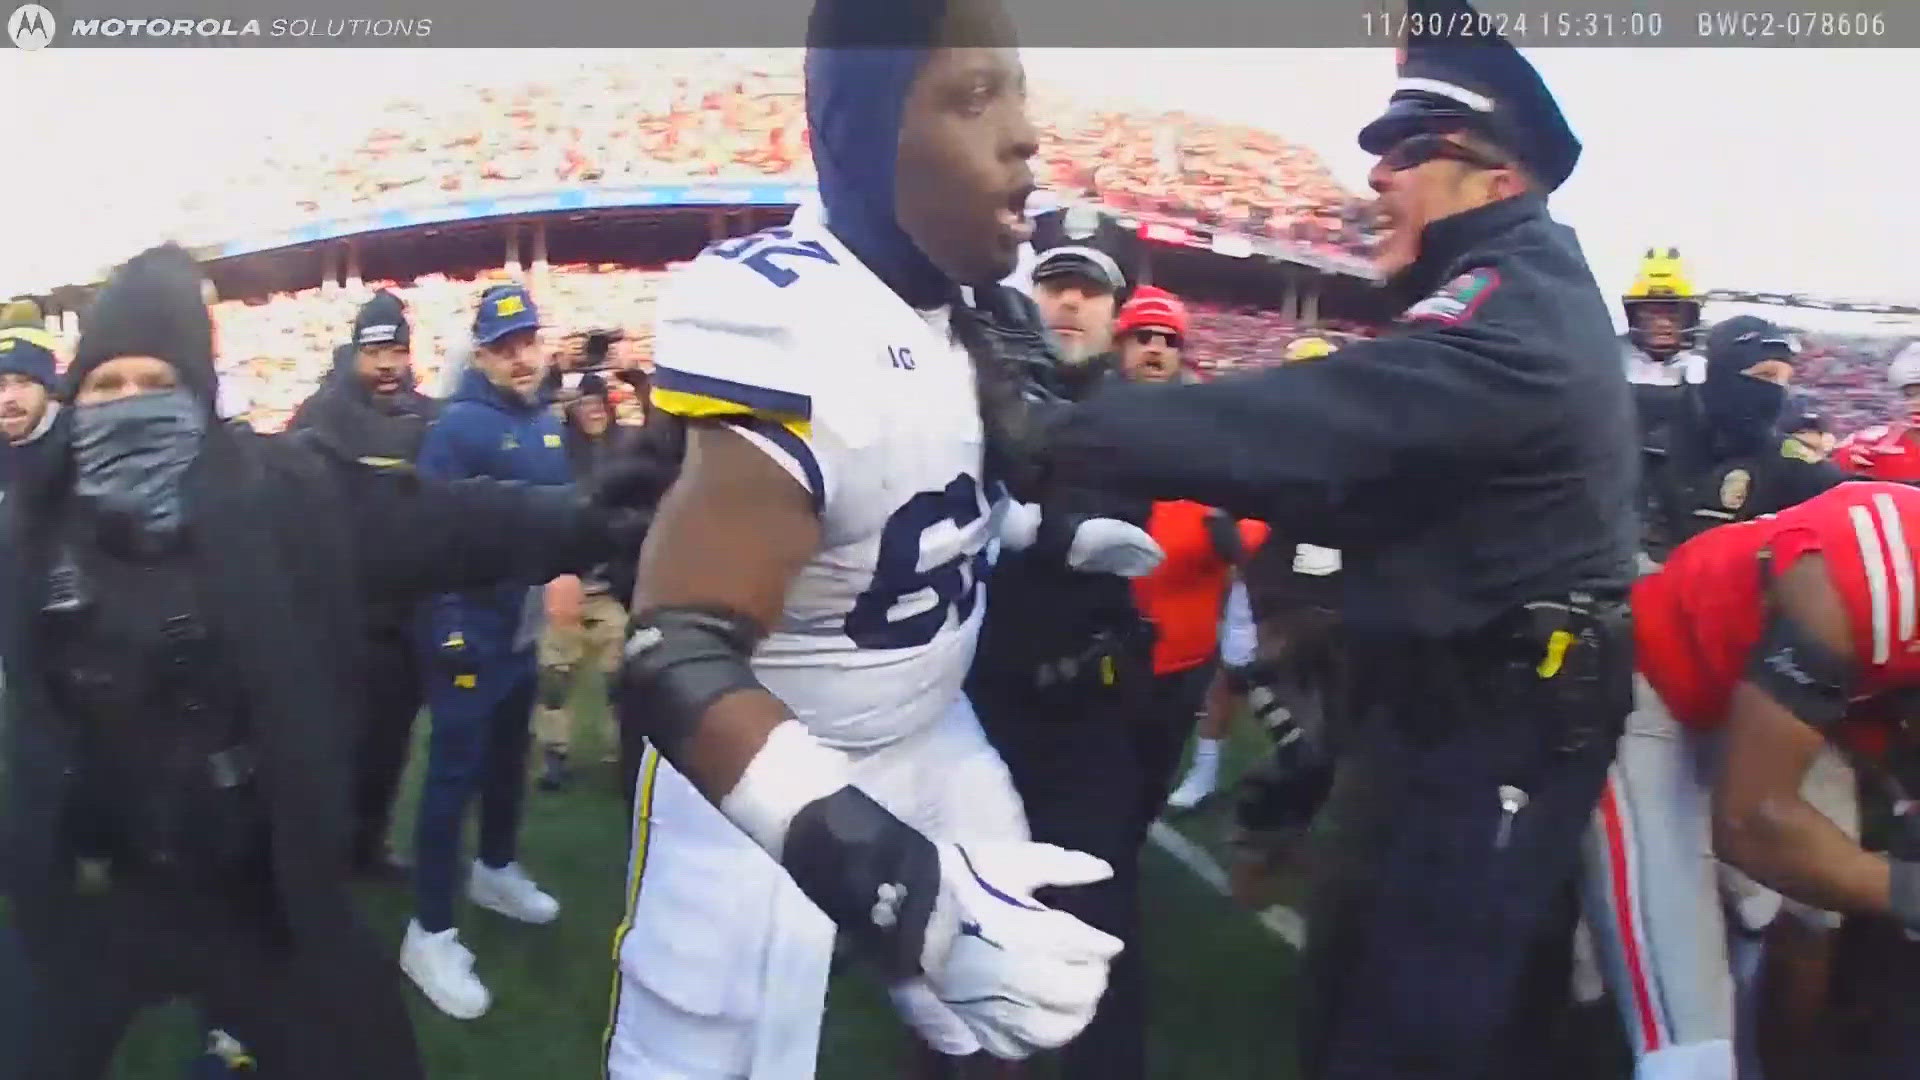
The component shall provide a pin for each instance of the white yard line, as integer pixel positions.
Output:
(1284, 922)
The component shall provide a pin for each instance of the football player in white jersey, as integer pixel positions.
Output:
(811, 591)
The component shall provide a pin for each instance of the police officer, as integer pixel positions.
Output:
(1727, 457)
(1475, 467)
(1063, 678)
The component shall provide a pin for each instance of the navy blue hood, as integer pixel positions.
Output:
(862, 58)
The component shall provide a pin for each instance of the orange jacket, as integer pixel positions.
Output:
(1184, 596)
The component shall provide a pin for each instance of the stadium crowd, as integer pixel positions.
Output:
(696, 115)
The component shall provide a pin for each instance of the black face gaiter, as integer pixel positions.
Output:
(1743, 411)
(130, 459)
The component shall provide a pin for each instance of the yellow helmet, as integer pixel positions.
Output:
(1308, 348)
(1663, 280)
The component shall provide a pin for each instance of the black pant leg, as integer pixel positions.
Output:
(1173, 711)
(345, 1017)
(504, 777)
(1458, 912)
(1076, 766)
(84, 980)
(393, 700)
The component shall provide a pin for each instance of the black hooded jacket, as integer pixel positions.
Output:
(286, 543)
(358, 423)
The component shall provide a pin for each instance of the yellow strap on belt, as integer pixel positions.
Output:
(1557, 647)
(1106, 671)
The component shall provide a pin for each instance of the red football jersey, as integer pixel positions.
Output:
(1697, 618)
(1884, 452)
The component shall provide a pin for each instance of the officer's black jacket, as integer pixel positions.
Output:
(1700, 483)
(289, 543)
(1462, 465)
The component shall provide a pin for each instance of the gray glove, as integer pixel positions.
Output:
(1111, 546)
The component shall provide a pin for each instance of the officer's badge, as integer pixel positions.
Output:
(1735, 488)
(1457, 300)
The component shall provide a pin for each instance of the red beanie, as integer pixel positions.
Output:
(1150, 306)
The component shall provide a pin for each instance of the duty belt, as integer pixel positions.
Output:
(1101, 655)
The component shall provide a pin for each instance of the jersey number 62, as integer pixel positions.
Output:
(759, 251)
(955, 583)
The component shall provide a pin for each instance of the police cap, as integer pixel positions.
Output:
(1457, 74)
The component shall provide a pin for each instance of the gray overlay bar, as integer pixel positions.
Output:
(1043, 23)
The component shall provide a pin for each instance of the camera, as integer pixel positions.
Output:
(594, 351)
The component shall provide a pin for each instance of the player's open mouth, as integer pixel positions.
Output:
(1013, 216)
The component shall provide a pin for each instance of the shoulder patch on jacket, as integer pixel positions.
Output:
(1457, 300)
(1798, 451)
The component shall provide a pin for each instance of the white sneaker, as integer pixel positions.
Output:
(443, 970)
(510, 892)
(1201, 779)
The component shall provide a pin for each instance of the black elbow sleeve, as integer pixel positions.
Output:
(677, 662)
(1807, 677)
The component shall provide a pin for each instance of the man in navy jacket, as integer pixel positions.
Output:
(478, 660)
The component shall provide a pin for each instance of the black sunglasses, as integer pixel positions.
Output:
(1420, 149)
(1145, 336)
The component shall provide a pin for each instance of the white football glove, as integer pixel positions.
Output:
(1017, 524)
(1111, 546)
(1022, 976)
(937, 1025)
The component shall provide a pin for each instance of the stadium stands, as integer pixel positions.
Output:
(698, 116)
(280, 348)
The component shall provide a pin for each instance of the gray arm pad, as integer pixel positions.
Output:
(677, 662)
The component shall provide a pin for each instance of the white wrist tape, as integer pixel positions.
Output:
(791, 771)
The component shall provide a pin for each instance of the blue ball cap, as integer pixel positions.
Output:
(504, 309)
(1479, 82)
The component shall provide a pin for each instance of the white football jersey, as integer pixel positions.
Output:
(870, 406)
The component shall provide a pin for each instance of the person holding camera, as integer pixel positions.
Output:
(586, 614)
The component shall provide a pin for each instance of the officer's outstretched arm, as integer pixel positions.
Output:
(1797, 686)
(1378, 434)
(415, 535)
(714, 574)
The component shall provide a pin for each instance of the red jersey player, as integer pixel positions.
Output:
(1756, 642)
(1890, 451)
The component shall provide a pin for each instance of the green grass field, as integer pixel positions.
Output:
(1221, 1006)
